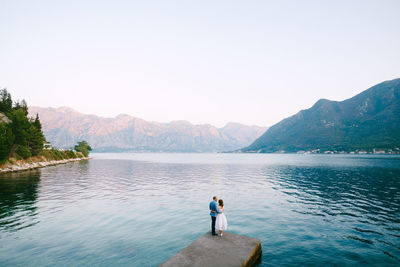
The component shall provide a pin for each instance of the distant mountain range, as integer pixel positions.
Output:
(366, 121)
(63, 127)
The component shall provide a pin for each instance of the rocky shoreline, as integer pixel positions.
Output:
(24, 166)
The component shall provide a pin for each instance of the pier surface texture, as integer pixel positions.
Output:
(228, 250)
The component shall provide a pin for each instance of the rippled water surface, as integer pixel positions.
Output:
(140, 209)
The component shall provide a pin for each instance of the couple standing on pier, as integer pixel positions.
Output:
(218, 219)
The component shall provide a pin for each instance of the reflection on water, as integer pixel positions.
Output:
(364, 201)
(18, 195)
(140, 209)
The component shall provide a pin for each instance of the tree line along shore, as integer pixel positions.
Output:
(22, 142)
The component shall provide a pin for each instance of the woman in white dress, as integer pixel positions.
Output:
(221, 223)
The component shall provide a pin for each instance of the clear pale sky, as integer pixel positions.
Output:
(253, 62)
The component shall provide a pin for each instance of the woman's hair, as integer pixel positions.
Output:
(221, 202)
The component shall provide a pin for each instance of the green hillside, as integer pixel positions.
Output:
(367, 121)
(21, 137)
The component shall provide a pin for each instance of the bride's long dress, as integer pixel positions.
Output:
(221, 223)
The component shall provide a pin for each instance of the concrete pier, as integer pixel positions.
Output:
(228, 250)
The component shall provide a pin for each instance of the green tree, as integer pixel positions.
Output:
(21, 106)
(35, 139)
(37, 123)
(23, 151)
(83, 147)
(6, 141)
(20, 126)
(5, 101)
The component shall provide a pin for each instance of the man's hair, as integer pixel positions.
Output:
(214, 197)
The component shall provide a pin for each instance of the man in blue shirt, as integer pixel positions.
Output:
(213, 212)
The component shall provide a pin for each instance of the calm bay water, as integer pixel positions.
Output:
(140, 209)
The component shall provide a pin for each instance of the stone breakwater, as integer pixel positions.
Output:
(24, 166)
(229, 250)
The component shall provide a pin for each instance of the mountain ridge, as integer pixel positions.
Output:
(63, 126)
(368, 120)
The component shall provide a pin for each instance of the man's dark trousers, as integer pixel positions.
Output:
(213, 219)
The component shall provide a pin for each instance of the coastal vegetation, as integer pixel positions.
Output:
(22, 138)
(83, 147)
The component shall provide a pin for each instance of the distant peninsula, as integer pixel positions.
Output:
(22, 142)
(366, 123)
